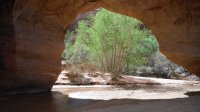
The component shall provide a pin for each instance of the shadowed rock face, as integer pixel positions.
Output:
(32, 34)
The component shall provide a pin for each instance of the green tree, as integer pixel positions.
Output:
(112, 41)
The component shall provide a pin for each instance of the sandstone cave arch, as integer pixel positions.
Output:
(39, 33)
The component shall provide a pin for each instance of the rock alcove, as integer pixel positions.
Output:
(32, 34)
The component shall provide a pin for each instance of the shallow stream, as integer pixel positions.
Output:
(107, 99)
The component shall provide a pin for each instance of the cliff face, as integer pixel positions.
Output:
(32, 34)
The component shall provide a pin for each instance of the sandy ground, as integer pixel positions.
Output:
(170, 96)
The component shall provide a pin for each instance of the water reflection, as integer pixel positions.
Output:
(48, 102)
(58, 102)
(29, 103)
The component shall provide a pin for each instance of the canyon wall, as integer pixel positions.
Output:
(32, 35)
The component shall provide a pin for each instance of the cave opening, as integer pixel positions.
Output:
(83, 48)
(142, 77)
(37, 35)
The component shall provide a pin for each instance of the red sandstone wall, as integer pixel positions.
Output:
(32, 34)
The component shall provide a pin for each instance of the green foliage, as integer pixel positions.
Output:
(112, 41)
(69, 46)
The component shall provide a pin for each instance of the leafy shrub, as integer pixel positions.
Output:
(111, 41)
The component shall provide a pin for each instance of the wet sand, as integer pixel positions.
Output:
(129, 98)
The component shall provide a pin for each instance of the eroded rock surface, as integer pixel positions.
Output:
(32, 34)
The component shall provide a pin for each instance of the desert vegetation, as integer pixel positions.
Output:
(106, 42)
(111, 42)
